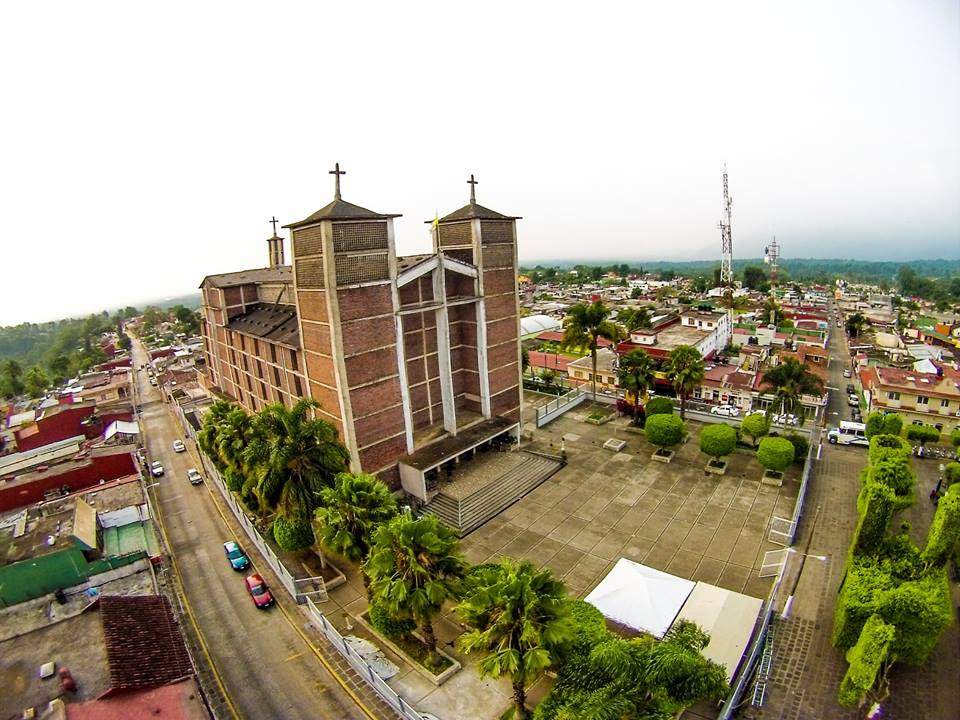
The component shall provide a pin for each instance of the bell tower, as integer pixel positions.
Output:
(275, 246)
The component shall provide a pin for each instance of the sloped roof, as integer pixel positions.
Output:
(472, 210)
(277, 323)
(144, 645)
(340, 210)
(282, 274)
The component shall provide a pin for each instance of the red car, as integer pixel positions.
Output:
(262, 597)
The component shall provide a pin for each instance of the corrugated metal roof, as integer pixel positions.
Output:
(276, 323)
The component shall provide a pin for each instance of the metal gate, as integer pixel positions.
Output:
(781, 531)
(774, 562)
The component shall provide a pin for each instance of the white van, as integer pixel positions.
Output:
(849, 433)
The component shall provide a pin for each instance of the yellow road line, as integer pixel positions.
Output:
(316, 651)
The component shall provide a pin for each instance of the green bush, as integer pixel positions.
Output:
(892, 424)
(387, 625)
(894, 472)
(945, 528)
(292, 533)
(233, 480)
(955, 437)
(718, 440)
(920, 610)
(800, 446)
(865, 658)
(951, 473)
(659, 406)
(884, 446)
(876, 506)
(923, 434)
(755, 427)
(864, 582)
(875, 424)
(775, 453)
(664, 430)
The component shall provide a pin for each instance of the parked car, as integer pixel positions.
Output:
(851, 390)
(853, 400)
(235, 554)
(178, 446)
(259, 591)
(725, 410)
(153, 381)
(847, 373)
(786, 419)
(194, 476)
(756, 412)
(156, 468)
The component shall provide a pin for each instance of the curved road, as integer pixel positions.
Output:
(268, 670)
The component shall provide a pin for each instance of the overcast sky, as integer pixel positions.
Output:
(145, 146)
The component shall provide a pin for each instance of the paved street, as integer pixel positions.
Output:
(269, 671)
(807, 670)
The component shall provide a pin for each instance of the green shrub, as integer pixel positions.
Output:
(864, 582)
(894, 472)
(866, 658)
(876, 506)
(923, 434)
(955, 437)
(233, 480)
(951, 473)
(920, 610)
(659, 406)
(292, 533)
(875, 424)
(391, 627)
(664, 430)
(945, 528)
(884, 446)
(775, 453)
(892, 424)
(800, 446)
(755, 427)
(718, 440)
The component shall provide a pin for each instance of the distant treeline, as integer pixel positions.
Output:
(800, 269)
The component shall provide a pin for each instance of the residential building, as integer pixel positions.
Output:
(921, 398)
(580, 372)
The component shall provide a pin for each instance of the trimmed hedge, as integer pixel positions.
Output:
(800, 446)
(892, 424)
(894, 472)
(659, 406)
(945, 528)
(874, 424)
(664, 430)
(389, 626)
(951, 473)
(866, 658)
(876, 505)
(755, 426)
(775, 453)
(923, 434)
(292, 533)
(718, 440)
(884, 446)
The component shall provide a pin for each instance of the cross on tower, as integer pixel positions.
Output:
(337, 172)
(273, 221)
(473, 186)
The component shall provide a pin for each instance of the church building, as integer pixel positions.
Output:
(414, 360)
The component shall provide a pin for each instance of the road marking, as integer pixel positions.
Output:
(294, 656)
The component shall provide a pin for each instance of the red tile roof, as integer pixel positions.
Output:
(144, 645)
(178, 701)
(550, 360)
(557, 336)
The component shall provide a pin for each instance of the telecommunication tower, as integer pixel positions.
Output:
(771, 254)
(726, 254)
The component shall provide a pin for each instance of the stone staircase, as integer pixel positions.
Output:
(470, 512)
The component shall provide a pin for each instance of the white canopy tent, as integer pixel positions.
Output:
(728, 617)
(640, 597)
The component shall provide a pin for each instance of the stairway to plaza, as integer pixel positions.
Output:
(489, 486)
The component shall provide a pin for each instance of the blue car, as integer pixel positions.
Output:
(238, 559)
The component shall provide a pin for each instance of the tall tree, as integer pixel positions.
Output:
(414, 567)
(789, 381)
(686, 371)
(295, 456)
(855, 324)
(520, 622)
(634, 318)
(636, 376)
(351, 511)
(36, 381)
(753, 277)
(583, 327)
(11, 376)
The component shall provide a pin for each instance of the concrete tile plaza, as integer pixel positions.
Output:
(605, 505)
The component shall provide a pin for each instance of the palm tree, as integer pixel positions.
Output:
(414, 567)
(236, 430)
(583, 327)
(351, 511)
(520, 621)
(209, 433)
(685, 370)
(771, 311)
(294, 457)
(855, 324)
(789, 381)
(636, 375)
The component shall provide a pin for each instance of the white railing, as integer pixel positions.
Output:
(363, 668)
(555, 408)
(289, 582)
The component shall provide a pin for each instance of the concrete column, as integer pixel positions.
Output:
(443, 352)
(482, 358)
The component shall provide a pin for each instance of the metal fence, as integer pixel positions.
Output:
(363, 668)
(294, 586)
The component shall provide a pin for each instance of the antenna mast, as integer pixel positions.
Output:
(771, 254)
(726, 251)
